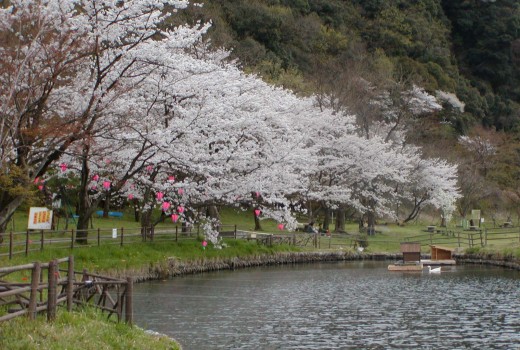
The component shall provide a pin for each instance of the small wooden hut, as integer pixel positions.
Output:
(441, 253)
(411, 258)
(411, 252)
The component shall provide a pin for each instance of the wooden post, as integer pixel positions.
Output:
(481, 241)
(10, 245)
(72, 239)
(235, 232)
(85, 277)
(27, 243)
(52, 291)
(35, 281)
(98, 237)
(294, 239)
(129, 312)
(122, 235)
(70, 284)
(176, 233)
(151, 233)
(120, 299)
(41, 242)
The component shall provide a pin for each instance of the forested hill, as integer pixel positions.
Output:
(470, 48)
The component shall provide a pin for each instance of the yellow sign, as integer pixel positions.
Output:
(39, 219)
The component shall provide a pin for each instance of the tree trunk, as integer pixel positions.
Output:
(7, 213)
(186, 224)
(327, 218)
(371, 223)
(84, 211)
(146, 223)
(137, 212)
(340, 220)
(106, 205)
(361, 223)
(212, 212)
(258, 226)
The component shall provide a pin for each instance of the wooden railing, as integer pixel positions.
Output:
(26, 242)
(18, 243)
(501, 235)
(44, 292)
(459, 238)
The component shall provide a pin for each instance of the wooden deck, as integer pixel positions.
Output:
(427, 262)
(405, 267)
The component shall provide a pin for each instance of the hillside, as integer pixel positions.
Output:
(467, 48)
(470, 49)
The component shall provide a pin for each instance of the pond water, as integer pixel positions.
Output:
(346, 305)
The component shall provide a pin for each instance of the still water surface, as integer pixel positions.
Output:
(349, 305)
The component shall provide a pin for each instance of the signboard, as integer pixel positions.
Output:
(40, 218)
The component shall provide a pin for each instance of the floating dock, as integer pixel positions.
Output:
(441, 262)
(405, 267)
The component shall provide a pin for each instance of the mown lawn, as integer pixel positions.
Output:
(85, 330)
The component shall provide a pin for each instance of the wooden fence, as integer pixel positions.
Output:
(30, 241)
(460, 239)
(18, 243)
(46, 289)
(470, 238)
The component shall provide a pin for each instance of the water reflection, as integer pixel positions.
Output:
(353, 305)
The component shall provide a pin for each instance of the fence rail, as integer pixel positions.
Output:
(43, 294)
(32, 241)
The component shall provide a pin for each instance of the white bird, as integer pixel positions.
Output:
(435, 270)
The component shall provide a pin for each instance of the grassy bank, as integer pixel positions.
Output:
(86, 330)
(114, 258)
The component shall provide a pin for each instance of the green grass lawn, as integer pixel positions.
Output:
(86, 330)
(386, 240)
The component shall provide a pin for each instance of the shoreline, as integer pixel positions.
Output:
(172, 266)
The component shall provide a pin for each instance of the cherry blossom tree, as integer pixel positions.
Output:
(63, 64)
(432, 182)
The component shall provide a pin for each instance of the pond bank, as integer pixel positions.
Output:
(173, 266)
(488, 259)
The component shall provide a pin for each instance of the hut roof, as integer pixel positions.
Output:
(410, 247)
(442, 248)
